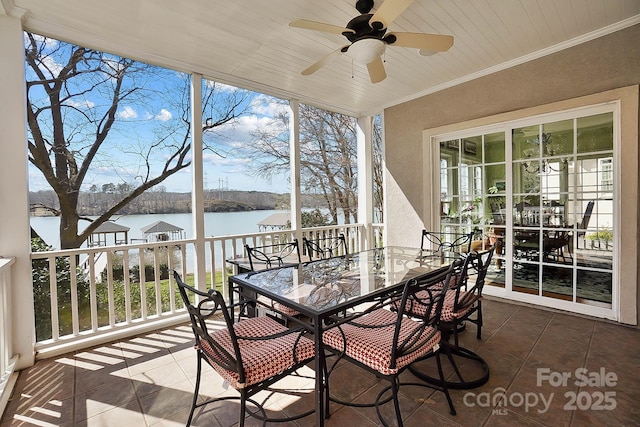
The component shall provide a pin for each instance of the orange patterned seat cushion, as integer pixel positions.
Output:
(416, 308)
(261, 359)
(278, 306)
(372, 346)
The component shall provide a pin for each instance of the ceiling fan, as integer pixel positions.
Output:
(369, 37)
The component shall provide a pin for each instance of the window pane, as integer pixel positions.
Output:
(494, 148)
(525, 142)
(595, 133)
(472, 150)
(557, 282)
(557, 138)
(450, 149)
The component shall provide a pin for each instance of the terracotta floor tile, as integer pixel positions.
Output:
(148, 380)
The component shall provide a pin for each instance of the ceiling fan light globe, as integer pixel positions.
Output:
(366, 51)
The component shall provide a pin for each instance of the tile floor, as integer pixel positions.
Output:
(148, 381)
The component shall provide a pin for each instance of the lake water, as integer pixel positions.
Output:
(216, 224)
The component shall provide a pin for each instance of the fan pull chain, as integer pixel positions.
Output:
(352, 76)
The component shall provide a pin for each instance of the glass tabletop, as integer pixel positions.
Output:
(334, 283)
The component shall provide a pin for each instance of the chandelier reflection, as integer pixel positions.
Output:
(545, 166)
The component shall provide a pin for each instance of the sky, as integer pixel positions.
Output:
(141, 120)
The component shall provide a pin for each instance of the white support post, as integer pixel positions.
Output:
(14, 190)
(294, 163)
(197, 189)
(365, 179)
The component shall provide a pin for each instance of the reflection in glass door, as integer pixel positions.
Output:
(473, 194)
(548, 197)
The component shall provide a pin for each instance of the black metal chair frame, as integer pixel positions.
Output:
(445, 241)
(273, 255)
(479, 263)
(467, 299)
(401, 347)
(325, 247)
(212, 303)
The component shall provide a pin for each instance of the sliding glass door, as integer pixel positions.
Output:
(544, 188)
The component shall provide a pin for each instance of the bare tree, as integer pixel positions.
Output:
(328, 157)
(378, 173)
(75, 99)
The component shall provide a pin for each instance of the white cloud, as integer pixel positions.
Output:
(80, 104)
(267, 106)
(127, 113)
(51, 66)
(164, 116)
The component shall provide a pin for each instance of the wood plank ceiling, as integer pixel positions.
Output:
(248, 43)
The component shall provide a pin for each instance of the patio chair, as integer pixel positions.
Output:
(385, 342)
(250, 355)
(446, 241)
(462, 300)
(325, 247)
(273, 255)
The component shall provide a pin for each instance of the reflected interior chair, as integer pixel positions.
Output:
(554, 242)
(521, 216)
(250, 355)
(445, 241)
(385, 342)
(325, 247)
(586, 217)
(497, 213)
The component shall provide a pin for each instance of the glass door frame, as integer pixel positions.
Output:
(611, 312)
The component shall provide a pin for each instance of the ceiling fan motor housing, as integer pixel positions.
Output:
(360, 24)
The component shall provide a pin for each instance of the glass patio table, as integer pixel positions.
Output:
(322, 289)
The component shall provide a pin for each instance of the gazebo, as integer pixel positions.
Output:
(161, 231)
(100, 235)
(276, 221)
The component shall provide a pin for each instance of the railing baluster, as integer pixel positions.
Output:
(156, 279)
(53, 292)
(179, 257)
(143, 284)
(127, 285)
(75, 317)
(110, 297)
(172, 295)
(93, 295)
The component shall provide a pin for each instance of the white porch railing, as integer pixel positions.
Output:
(123, 290)
(7, 358)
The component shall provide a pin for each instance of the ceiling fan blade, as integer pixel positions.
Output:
(376, 71)
(324, 61)
(387, 12)
(319, 26)
(425, 42)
